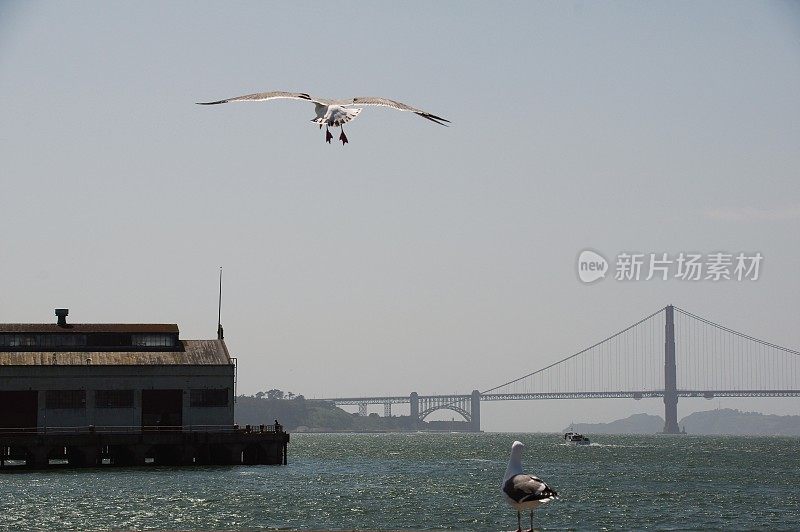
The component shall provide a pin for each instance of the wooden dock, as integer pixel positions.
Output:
(127, 446)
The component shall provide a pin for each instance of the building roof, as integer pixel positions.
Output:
(155, 328)
(195, 352)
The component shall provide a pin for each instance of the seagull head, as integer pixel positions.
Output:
(514, 461)
(516, 449)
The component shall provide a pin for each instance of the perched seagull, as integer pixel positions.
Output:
(524, 492)
(332, 113)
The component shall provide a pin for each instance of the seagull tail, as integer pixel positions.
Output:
(343, 116)
(349, 114)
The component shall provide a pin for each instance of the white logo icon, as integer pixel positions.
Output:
(591, 266)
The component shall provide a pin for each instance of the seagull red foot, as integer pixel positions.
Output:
(328, 135)
(343, 138)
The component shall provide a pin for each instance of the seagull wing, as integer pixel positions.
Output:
(524, 488)
(264, 96)
(385, 102)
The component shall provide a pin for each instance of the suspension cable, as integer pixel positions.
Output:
(578, 353)
(726, 329)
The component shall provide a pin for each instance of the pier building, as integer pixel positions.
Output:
(122, 394)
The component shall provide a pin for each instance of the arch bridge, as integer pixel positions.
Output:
(467, 406)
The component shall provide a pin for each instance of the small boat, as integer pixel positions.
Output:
(576, 439)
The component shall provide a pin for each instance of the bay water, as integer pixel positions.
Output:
(425, 481)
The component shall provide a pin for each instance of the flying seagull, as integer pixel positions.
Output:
(524, 492)
(333, 113)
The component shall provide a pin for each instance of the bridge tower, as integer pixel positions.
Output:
(670, 379)
(414, 399)
(476, 411)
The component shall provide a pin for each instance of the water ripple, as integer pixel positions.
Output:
(431, 482)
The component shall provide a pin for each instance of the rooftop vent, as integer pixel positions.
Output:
(62, 316)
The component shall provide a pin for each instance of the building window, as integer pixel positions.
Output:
(42, 340)
(8, 340)
(153, 340)
(65, 399)
(205, 398)
(113, 399)
(61, 340)
(27, 340)
(17, 340)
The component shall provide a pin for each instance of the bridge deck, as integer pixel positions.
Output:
(635, 394)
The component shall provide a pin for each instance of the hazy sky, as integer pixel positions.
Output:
(416, 257)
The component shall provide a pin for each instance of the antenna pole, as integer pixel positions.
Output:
(219, 308)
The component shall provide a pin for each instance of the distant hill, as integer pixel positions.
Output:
(729, 421)
(635, 424)
(712, 422)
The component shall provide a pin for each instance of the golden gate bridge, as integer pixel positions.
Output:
(669, 354)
